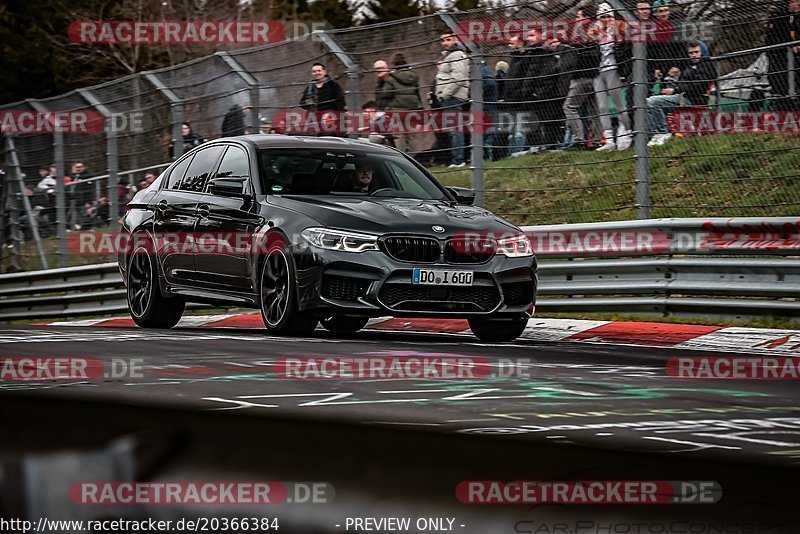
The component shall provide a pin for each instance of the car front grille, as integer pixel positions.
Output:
(343, 287)
(412, 249)
(518, 293)
(407, 297)
(466, 251)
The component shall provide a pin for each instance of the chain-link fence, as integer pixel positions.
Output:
(589, 112)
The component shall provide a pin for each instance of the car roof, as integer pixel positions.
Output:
(325, 143)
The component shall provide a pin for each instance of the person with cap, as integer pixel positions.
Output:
(615, 61)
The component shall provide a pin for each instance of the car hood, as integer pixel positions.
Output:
(394, 215)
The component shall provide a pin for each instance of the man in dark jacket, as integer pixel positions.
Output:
(233, 124)
(783, 26)
(538, 87)
(516, 103)
(692, 90)
(191, 139)
(581, 62)
(550, 94)
(322, 93)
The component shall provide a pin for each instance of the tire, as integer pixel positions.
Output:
(495, 329)
(278, 295)
(148, 307)
(344, 325)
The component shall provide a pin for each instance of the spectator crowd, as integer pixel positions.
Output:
(552, 92)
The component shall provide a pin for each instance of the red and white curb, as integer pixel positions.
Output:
(678, 336)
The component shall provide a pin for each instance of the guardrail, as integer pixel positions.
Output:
(665, 267)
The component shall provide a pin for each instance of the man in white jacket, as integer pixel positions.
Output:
(452, 88)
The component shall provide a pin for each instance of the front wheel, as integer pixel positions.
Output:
(279, 296)
(148, 307)
(496, 329)
(344, 325)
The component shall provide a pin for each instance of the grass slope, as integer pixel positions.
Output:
(707, 176)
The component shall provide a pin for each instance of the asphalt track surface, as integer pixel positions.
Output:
(589, 399)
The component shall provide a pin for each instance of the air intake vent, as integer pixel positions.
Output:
(412, 249)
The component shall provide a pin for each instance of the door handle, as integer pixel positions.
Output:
(203, 210)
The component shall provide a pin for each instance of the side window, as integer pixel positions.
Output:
(176, 176)
(202, 165)
(407, 183)
(234, 163)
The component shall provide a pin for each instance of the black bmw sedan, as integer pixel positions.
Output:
(321, 230)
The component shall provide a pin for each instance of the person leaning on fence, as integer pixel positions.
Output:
(322, 93)
(190, 139)
(452, 88)
(581, 60)
(691, 90)
(783, 26)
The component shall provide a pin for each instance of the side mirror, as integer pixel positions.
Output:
(464, 195)
(234, 186)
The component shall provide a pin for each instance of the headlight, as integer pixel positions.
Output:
(340, 240)
(517, 246)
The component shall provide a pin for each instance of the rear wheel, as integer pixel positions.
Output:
(497, 329)
(344, 325)
(278, 291)
(148, 307)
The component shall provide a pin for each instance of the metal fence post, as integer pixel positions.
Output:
(641, 153)
(177, 112)
(14, 230)
(351, 94)
(790, 65)
(476, 98)
(112, 158)
(252, 84)
(61, 201)
(61, 197)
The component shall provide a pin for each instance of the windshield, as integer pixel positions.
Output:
(344, 172)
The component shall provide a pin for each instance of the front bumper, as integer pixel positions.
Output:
(373, 284)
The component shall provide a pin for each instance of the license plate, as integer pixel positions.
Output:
(430, 277)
